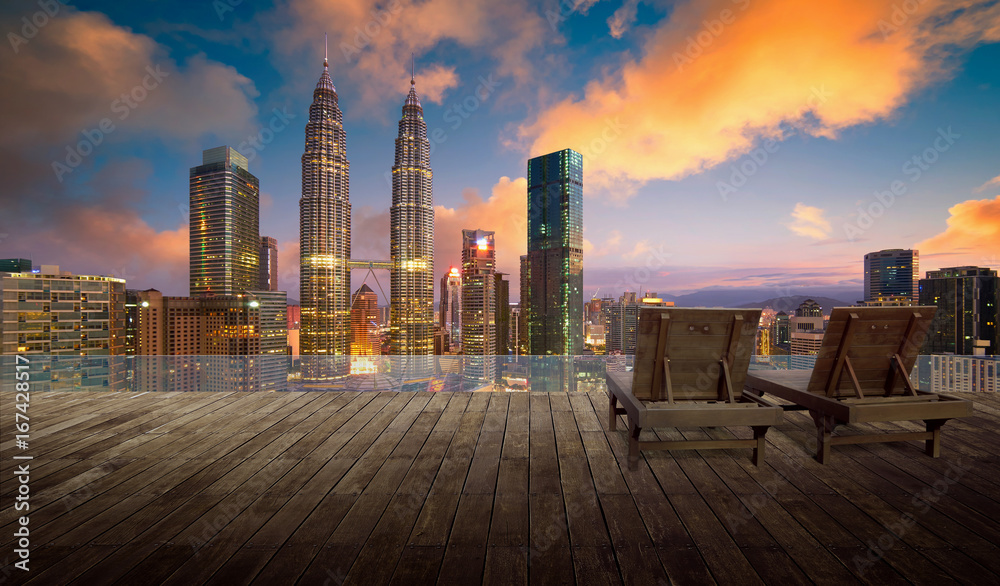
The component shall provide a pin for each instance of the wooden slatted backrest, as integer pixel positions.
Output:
(696, 340)
(875, 335)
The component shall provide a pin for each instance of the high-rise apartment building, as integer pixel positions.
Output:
(268, 264)
(524, 303)
(809, 308)
(411, 240)
(555, 253)
(479, 306)
(224, 224)
(364, 324)
(968, 310)
(68, 325)
(450, 308)
(274, 363)
(892, 275)
(325, 239)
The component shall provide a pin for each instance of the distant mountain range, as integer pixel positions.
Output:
(764, 297)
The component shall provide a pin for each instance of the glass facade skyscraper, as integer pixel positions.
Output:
(411, 241)
(967, 320)
(451, 307)
(325, 239)
(892, 275)
(224, 224)
(555, 253)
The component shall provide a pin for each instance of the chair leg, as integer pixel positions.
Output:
(759, 431)
(824, 430)
(633, 445)
(932, 447)
(612, 415)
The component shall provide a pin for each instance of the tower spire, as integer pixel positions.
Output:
(411, 69)
(326, 50)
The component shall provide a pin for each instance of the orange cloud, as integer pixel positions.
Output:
(809, 221)
(372, 40)
(719, 76)
(504, 212)
(972, 236)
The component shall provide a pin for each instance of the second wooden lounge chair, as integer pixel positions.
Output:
(862, 374)
(690, 365)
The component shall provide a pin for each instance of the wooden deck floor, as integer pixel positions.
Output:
(422, 488)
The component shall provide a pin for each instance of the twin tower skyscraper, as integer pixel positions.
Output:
(325, 238)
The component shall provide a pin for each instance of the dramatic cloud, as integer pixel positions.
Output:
(372, 41)
(104, 236)
(503, 212)
(720, 76)
(809, 221)
(972, 236)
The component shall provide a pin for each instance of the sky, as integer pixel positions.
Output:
(764, 144)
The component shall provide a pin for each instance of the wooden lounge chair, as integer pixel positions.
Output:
(862, 374)
(690, 365)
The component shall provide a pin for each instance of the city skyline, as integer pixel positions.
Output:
(916, 154)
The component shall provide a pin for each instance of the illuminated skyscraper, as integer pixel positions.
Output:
(224, 224)
(892, 275)
(364, 328)
(268, 264)
(555, 253)
(325, 238)
(411, 323)
(451, 307)
(479, 304)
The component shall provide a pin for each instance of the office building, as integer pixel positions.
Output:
(555, 254)
(15, 265)
(809, 308)
(268, 264)
(274, 361)
(968, 310)
(450, 308)
(782, 329)
(962, 374)
(892, 275)
(224, 224)
(364, 324)
(411, 236)
(502, 315)
(69, 326)
(325, 239)
(524, 303)
(479, 301)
